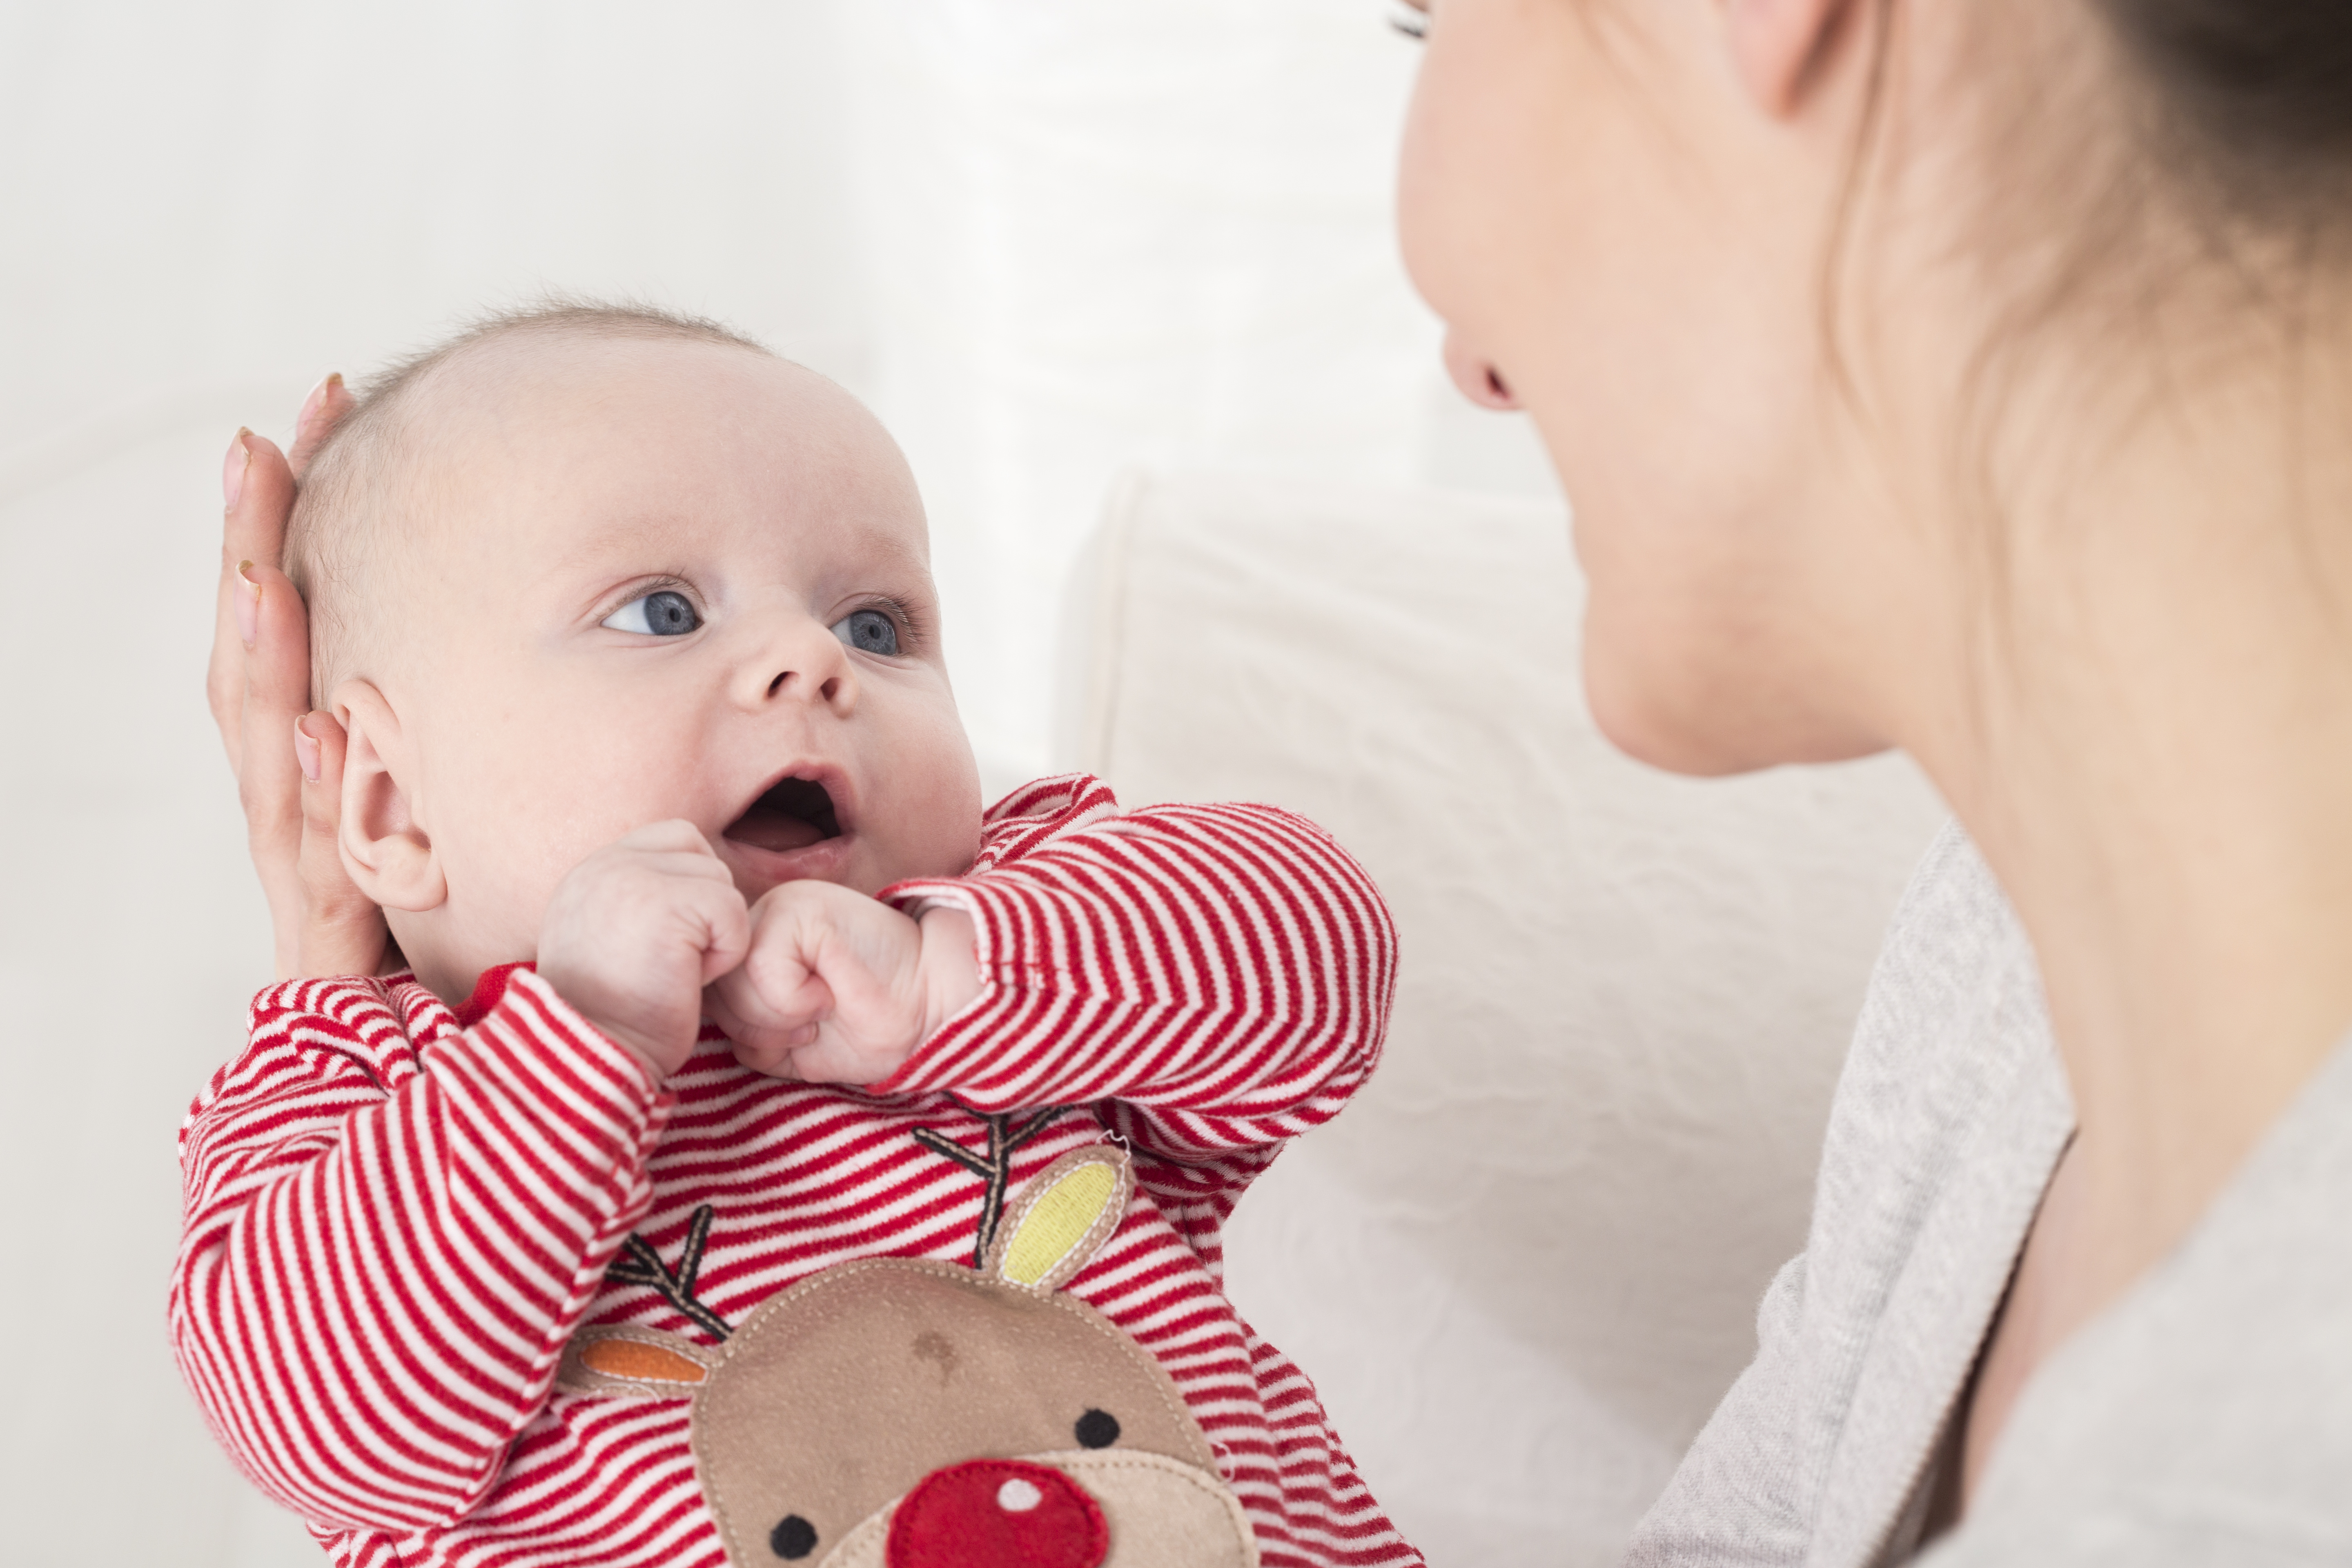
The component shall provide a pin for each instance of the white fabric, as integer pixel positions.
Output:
(1525, 1264)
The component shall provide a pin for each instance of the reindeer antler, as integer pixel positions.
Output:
(643, 1265)
(996, 1169)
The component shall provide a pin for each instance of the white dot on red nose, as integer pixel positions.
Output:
(1017, 1495)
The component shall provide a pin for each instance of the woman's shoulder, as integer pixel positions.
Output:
(1952, 1105)
(2207, 1416)
(1948, 1115)
(1951, 936)
(1953, 1019)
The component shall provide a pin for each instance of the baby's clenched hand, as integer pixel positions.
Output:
(838, 988)
(635, 933)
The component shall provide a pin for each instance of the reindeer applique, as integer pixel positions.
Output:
(906, 1413)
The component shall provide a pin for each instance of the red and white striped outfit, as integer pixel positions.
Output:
(396, 1216)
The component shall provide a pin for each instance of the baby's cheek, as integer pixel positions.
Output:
(504, 867)
(928, 824)
(501, 918)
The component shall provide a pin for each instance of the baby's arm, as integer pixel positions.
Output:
(1223, 970)
(385, 1249)
(1211, 980)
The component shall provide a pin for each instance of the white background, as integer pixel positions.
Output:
(1045, 238)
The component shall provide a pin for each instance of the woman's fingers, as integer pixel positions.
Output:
(321, 412)
(341, 932)
(257, 491)
(259, 685)
(276, 691)
(258, 484)
(275, 675)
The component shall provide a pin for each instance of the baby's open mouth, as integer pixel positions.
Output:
(793, 815)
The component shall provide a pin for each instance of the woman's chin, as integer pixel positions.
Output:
(1709, 724)
(1637, 728)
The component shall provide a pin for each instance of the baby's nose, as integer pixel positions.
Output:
(998, 1513)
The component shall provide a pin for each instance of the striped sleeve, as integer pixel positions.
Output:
(1214, 979)
(384, 1248)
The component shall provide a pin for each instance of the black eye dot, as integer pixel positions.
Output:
(1097, 1429)
(670, 615)
(795, 1538)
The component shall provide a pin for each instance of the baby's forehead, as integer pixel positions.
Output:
(650, 434)
(514, 396)
(553, 378)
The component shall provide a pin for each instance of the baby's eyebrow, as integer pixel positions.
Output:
(600, 540)
(906, 555)
(645, 538)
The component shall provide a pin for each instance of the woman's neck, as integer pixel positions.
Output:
(2157, 759)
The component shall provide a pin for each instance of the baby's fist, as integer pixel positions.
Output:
(636, 931)
(837, 988)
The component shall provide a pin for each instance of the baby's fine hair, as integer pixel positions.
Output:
(351, 495)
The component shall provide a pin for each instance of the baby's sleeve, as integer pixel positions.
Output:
(1212, 980)
(385, 1248)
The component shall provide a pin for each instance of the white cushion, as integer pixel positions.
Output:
(1525, 1264)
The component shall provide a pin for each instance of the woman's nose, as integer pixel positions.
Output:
(998, 1513)
(1480, 382)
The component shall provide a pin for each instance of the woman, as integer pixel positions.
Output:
(1970, 377)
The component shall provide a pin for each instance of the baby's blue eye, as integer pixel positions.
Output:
(663, 615)
(868, 631)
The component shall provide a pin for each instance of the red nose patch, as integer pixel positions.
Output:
(998, 1513)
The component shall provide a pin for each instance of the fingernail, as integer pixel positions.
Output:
(306, 750)
(247, 604)
(233, 468)
(317, 400)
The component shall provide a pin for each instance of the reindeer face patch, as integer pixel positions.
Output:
(903, 1412)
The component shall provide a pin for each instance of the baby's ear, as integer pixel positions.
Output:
(387, 852)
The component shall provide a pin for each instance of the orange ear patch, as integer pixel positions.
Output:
(640, 1363)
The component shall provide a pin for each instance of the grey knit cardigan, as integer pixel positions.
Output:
(2205, 1418)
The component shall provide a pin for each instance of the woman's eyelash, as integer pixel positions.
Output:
(1414, 25)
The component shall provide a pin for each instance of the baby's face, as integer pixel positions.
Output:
(658, 580)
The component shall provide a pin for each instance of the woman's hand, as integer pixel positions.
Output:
(288, 779)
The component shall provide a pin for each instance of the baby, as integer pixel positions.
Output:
(574, 1243)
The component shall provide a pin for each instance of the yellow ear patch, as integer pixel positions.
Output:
(1069, 1209)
